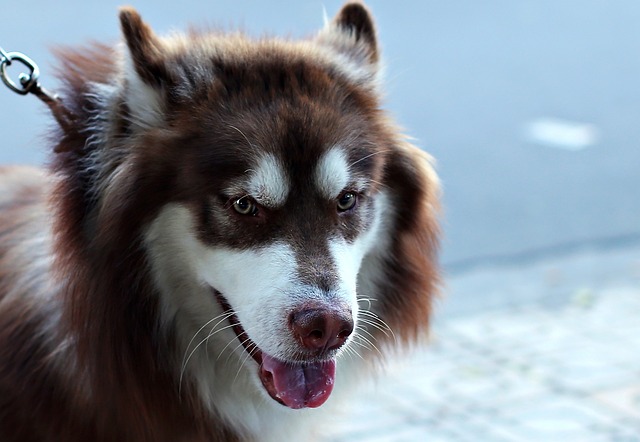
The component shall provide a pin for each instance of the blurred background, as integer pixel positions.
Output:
(532, 110)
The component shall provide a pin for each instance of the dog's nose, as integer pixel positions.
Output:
(321, 329)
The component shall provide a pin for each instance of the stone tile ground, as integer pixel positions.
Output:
(519, 372)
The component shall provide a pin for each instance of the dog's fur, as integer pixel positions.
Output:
(205, 175)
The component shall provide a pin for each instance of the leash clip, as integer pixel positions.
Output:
(28, 82)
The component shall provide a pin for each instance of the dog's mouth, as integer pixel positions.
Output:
(292, 384)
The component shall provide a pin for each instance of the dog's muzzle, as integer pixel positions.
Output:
(320, 329)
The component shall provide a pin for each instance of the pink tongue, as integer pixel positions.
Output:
(298, 385)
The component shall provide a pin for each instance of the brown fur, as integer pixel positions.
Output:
(82, 355)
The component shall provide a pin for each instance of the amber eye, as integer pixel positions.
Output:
(347, 201)
(245, 206)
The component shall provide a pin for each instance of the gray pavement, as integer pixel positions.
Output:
(538, 369)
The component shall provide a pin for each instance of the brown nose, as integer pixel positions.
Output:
(321, 329)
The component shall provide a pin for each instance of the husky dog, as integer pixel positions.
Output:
(230, 234)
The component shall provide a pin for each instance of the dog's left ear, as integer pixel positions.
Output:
(352, 32)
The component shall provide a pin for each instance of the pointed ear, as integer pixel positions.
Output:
(146, 72)
(145, 49)
(353, 33)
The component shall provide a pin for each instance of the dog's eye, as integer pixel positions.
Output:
(347, 201)
(245, 206)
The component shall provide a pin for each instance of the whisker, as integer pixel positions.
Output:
(375, 318)
(241, 343)
(381, 184)
(225, 347)
(372, 316)
(361, 345)
(223, 315)
(368, 156)
(371, 344)
(209, 336)
(367, 300)
(362, 329)
(243, 135)
(184, 366)
(244, 360)
(349, 350)
(374, 325)
(185, 360)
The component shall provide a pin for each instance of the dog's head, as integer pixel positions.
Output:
(286, 219)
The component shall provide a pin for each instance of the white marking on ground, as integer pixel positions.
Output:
(562, 134)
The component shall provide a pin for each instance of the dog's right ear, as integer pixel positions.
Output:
(352, 33)
(147, 75)
(145, 49)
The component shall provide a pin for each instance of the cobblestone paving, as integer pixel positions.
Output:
(517, 373)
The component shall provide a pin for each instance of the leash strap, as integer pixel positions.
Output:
(28, 84)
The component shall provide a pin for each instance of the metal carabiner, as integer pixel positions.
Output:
(27, 81)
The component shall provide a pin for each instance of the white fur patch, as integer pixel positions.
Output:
(349, 256)
(360, 267)
(376, 244)
(258, 284)
(266, 182)
(144, 102)
(269, 184)
(332, 173)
